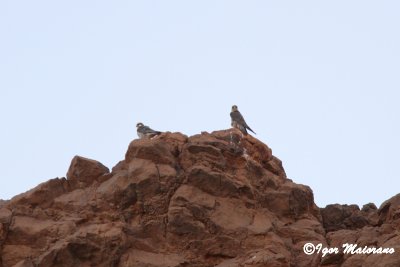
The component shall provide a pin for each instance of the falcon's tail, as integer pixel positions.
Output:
(250, 129)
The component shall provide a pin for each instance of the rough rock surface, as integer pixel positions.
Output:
(216, 199)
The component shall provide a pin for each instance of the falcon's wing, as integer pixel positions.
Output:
(238, 118)
(148, 130)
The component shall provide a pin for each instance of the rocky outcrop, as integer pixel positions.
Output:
(368, 227)
(337, 217)
(83, 172)
(213, 199)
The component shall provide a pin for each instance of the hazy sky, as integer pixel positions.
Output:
(318, 81)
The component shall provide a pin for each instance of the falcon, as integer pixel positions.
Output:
(238, 121)
(144, 131)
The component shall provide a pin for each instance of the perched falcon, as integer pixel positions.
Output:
(238, 120)
(145, 131)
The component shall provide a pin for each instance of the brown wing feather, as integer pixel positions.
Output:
(237, 117)
(238, 121)
(241, 124)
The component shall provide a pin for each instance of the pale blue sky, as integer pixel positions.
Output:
(318, 81)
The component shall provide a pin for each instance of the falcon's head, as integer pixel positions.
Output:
(139, 124)
(234, 108)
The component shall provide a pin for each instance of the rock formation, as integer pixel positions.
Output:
(216, 199)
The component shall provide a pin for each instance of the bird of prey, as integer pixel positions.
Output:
(238, 121)
(144, 131)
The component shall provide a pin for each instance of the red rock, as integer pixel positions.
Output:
(336, 217)
(213, 199)
(390, 209)
(43, 194)
(83, 172)
(12, 255)
(160, 150)
(24, 263)
(143, 258)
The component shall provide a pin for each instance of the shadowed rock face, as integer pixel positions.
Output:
(216, 199)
